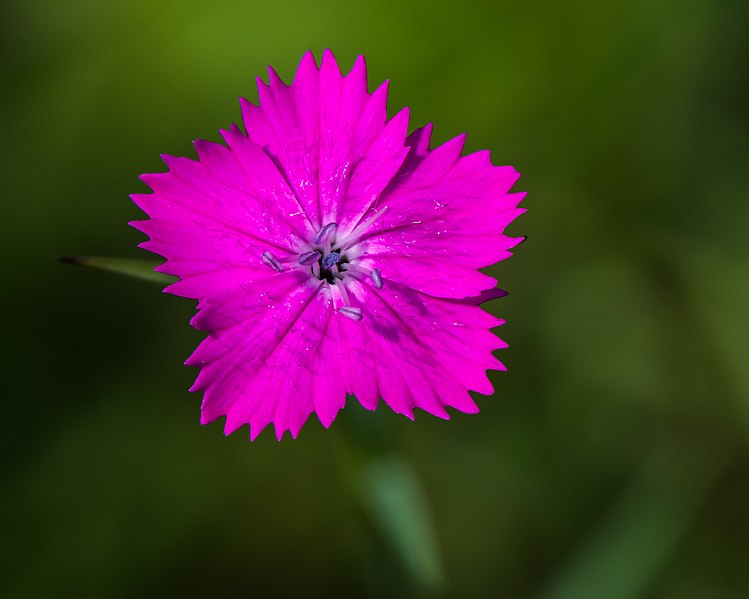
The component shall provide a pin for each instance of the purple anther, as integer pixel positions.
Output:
(308, 258)
(376, 278)
(331, 259)
(269, 259)
(351, 312)
(323, 233)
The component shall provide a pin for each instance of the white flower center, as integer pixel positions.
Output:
(333, 260)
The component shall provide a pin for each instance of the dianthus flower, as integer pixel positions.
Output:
(332, 254)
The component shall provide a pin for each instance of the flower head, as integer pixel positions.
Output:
(331, 253)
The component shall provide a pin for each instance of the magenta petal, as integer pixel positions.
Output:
(333, 254)
(374, 171)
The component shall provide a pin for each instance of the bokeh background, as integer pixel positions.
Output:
(613, 460)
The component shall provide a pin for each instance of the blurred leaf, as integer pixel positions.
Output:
(390, 493)
(628, 548)
(720, 300)
(140, 269)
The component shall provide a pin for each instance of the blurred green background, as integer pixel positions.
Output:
(613, 460)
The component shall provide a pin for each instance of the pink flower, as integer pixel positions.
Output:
(332, 254)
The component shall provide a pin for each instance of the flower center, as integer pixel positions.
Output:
(332, 266)
(327, 261)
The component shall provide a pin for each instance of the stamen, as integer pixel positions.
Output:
(324, 233)
(308, 258)
(357, 272)
(362, 228)
(270, 260)
(341, 286)
(330, 260)
(351, 312)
